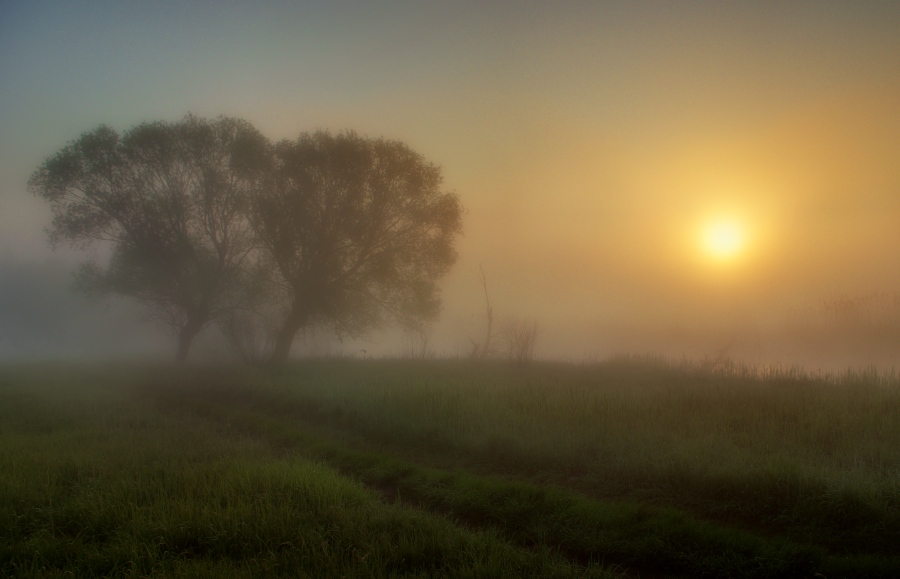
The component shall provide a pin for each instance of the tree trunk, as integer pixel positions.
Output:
(185, 337)
(285, 339)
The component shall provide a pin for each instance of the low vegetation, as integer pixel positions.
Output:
(449, 468)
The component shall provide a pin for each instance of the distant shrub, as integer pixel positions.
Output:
(519, 337)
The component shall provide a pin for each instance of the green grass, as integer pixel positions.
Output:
(811, 455)
(387, 468)
(630, 535)
(93, 483)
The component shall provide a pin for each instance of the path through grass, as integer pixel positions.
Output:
(444, 468)
(94, 482)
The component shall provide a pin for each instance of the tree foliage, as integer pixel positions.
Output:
(359, 231)
(207, 221)
(171, 200)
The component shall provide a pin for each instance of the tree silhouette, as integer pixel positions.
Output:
(359, 231)
(171, 200)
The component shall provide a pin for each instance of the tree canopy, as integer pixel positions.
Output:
(171, 200)
(359, 230)
(354, 232)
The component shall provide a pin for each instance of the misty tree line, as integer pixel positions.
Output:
(210, 223)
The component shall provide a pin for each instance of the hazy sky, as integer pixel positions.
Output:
(592, 143)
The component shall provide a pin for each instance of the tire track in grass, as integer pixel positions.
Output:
(643, 539)
(799, 525)
(157, 495)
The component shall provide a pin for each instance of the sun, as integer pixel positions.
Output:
(723, 239)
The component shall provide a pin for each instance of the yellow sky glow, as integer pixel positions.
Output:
(723, 239)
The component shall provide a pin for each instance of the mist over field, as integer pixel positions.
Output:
(695, 180)
(450, 289)
(43, 318)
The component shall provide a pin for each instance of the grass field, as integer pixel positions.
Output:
(372, 468)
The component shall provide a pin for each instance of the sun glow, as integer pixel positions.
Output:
(723, 239)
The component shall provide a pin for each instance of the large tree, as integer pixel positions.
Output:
(170, 200)
(359, 231)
